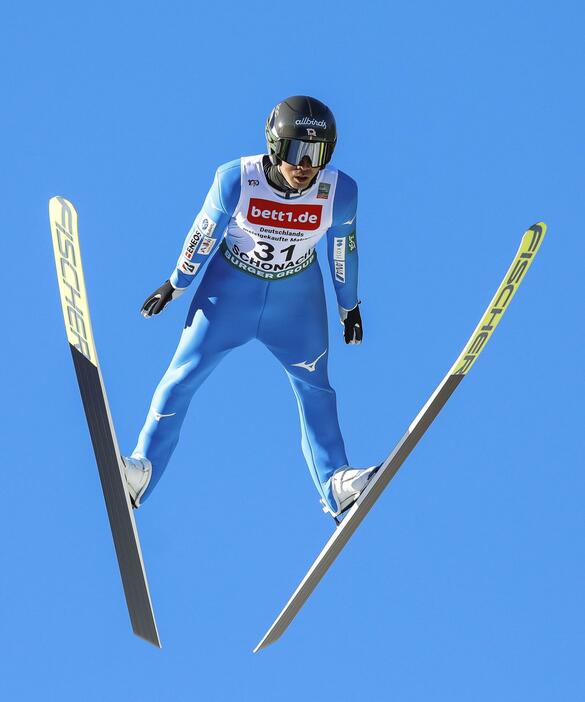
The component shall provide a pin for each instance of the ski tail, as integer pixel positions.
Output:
(529, 247)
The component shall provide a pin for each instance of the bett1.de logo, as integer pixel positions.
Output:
(284, 215)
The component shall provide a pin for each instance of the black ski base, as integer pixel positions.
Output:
(120, 516)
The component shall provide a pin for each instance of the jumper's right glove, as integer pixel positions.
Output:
(155, 303)
(352, 324)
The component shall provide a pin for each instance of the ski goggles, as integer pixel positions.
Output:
(293, 151)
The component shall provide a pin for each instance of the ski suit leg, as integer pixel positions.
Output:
(223, 314)
(294, 328)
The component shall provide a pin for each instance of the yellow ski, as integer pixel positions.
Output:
(529, 247)
(63, 218)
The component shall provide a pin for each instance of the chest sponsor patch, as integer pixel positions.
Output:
(284, 215)
(323, 191)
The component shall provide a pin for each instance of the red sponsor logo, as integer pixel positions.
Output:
(284, 215)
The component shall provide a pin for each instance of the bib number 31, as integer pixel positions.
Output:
(267, 251)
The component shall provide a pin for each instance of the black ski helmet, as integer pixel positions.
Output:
(301, 126)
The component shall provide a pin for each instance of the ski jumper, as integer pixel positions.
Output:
(263, 282)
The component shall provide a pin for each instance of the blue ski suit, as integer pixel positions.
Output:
(263, 282)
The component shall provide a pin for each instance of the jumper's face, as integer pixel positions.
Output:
(300, 176)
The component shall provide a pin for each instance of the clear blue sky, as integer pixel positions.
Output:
(463, 124)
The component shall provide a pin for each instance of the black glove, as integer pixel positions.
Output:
(155, 303)
(352, 325)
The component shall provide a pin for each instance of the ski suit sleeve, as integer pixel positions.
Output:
(209, 225)
(342, 243)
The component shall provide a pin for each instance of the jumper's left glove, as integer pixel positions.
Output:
(352, 323)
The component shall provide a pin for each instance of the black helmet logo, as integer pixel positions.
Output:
(311, 132)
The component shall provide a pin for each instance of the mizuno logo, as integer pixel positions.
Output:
(311, 367)
(159, 416)
(350, 221)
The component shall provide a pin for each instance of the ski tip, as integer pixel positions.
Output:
(533, 238)
(58, 200)
(536, 230)
(58, 205)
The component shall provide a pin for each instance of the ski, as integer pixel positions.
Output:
(63, 218)
(529, 246)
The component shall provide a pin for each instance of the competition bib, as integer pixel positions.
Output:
(273, 237)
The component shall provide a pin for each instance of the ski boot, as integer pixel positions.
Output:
(138, 471)
(347, 484)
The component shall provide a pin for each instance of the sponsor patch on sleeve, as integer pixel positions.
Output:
(189, 268)
(339, 248)
(340, 271)
(206, 245)
(206, 224)
(193, 243)
(351, 242)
